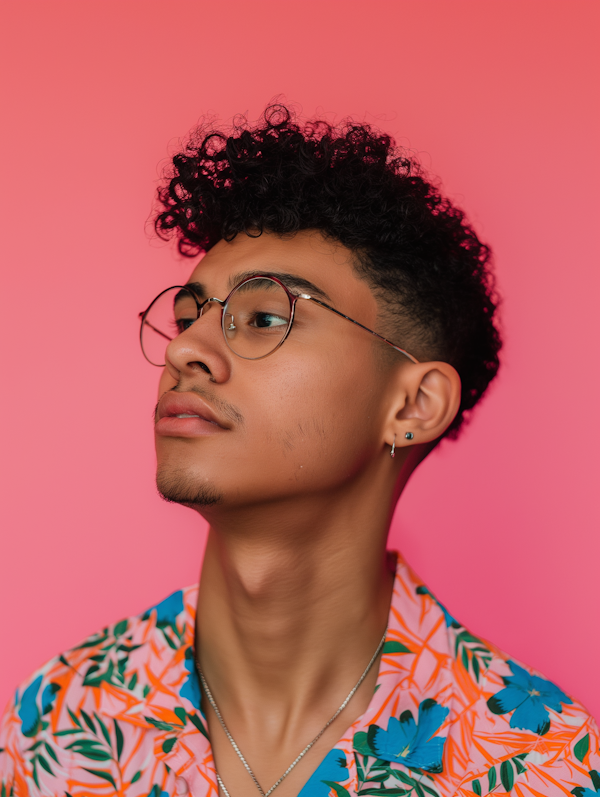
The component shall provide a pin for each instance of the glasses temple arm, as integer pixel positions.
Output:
(358, 324)
(158, 332)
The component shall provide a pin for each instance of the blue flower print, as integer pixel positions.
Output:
(29, 713)
(191, 687)
(527, 695)
(410, 743)
(331, 769)
(167, 610)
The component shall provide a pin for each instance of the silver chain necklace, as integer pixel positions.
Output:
(215, 708)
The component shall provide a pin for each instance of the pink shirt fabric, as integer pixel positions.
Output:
(451, 715)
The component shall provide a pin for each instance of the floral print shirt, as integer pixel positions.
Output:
(120, 714)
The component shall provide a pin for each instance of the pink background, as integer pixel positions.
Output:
(499, 98)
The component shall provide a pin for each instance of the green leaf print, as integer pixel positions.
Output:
(518, 763)
(128, 648)
(476, 787)
(181, 714)
(465, 658)
(133, 681)
(162, 726)
(90, 749)
(472, 653)
(507, 775)
(491, 778)
(35, 773)
(402, 776)
(169, 744)
(45, 764)
(104, 730)
(119, 739)
(74, 719)
(361, 743)
(88, 721)
(100, 773)
(359, 768)
(339, 790)
(582, 747)
(120, 628)
(171, 643)
(195, 720)
(51, 752)
(378, 777)
(105, 675)
(393, 646)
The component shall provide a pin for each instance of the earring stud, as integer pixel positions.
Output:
(393, 451)
(409, 435)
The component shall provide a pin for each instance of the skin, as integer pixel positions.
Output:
(295, 585)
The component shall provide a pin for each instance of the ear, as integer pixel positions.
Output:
(424, 401)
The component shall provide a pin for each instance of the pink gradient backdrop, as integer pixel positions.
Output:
(500, 99)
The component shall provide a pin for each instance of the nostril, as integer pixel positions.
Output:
(201, 365)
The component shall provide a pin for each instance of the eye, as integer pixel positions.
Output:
(268, 320)
(181, 324)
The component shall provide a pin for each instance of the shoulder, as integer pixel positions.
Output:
(68, 697)
(541, 736)
(520, 728)
(508, 725)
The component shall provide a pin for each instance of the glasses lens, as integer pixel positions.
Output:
(256, 318)
(171, 313)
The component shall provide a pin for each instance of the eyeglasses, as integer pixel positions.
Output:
(256, 318)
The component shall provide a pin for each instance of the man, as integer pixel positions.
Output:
(339, 325)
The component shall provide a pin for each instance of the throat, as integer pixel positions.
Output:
(279, 633)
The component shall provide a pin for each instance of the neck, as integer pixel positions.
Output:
(284, 590)
(294, 599)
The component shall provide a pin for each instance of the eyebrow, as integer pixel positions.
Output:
(291, 281)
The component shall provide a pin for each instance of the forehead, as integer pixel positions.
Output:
(307, 254)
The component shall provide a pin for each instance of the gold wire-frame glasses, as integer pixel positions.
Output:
(256, 318)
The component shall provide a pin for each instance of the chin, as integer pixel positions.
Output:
(181, 487)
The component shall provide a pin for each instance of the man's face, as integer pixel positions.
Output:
(306, 419)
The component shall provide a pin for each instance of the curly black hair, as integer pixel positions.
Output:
(428, 269)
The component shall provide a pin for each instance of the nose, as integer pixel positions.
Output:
(201, 347)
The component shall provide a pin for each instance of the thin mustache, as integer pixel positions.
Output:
(223, 407)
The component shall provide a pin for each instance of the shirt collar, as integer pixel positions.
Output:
(406, 721)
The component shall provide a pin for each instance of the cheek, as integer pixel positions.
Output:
(321, 411)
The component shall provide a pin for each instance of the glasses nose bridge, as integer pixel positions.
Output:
(203, 306)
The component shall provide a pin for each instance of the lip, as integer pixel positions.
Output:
(171, 405)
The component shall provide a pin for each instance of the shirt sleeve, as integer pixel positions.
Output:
(13, 779)
(22, 745)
